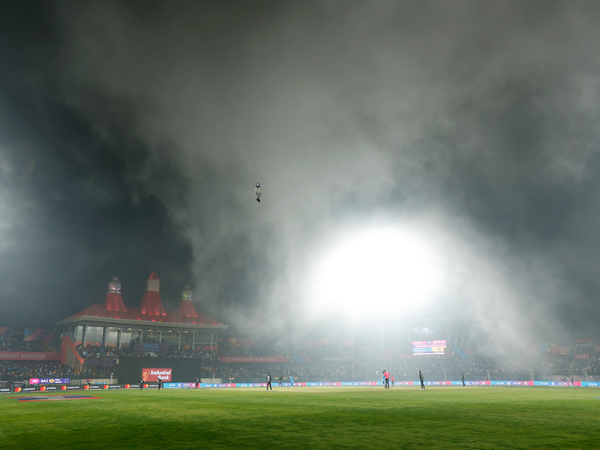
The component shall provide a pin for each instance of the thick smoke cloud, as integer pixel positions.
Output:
(476, 122)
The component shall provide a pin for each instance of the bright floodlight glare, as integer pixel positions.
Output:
(376, 272)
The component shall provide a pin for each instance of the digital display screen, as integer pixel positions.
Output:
(424, 348)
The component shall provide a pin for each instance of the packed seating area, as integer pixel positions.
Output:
(435, 368)
(96, 351)
(17, 370)
(368, 363)
(16, 345)
(278, 348)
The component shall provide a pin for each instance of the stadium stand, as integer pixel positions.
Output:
(17, 370)
(314, 360)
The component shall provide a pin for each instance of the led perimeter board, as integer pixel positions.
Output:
(424, 348)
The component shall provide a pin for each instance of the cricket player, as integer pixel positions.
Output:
(292, 380)
(421, 379)
(463, 379)
(269, 381)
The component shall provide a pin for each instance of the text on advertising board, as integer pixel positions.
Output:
(156, 374)
(49, 381)
(30, 356)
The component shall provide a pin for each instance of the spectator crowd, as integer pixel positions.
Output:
(17, 345)
(367, 365)
(19, 370)
(100, 351)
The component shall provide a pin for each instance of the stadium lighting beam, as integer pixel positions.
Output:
(386, 270)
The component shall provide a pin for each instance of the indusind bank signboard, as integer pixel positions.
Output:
(156, 374)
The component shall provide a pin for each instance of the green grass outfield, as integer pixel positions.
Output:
(323, 417)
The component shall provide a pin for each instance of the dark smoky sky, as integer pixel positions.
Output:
(475, 122)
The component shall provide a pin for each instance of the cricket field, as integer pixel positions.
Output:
(306, 418)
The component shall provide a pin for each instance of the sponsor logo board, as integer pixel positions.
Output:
(551, 383)
(35, 381)
(156, 374)
(180, 385)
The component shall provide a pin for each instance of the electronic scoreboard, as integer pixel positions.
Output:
(424, 348)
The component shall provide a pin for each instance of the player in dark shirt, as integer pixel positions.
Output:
(280, 383)
(197, 382)
(142, 384)
(159, 383)
(269, 381)
(463, 379)
(421, 379)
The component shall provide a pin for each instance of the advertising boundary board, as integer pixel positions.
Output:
(164, 374)
(131, 368)
(378, 383)
(31, 389)
(33, 381)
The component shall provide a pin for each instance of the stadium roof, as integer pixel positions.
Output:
(113, 311)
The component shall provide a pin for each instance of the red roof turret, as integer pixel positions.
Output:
(186, 307)
(113, 300)
(151, 308)
(151, 303)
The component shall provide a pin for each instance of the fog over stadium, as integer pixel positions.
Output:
(417, 159)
